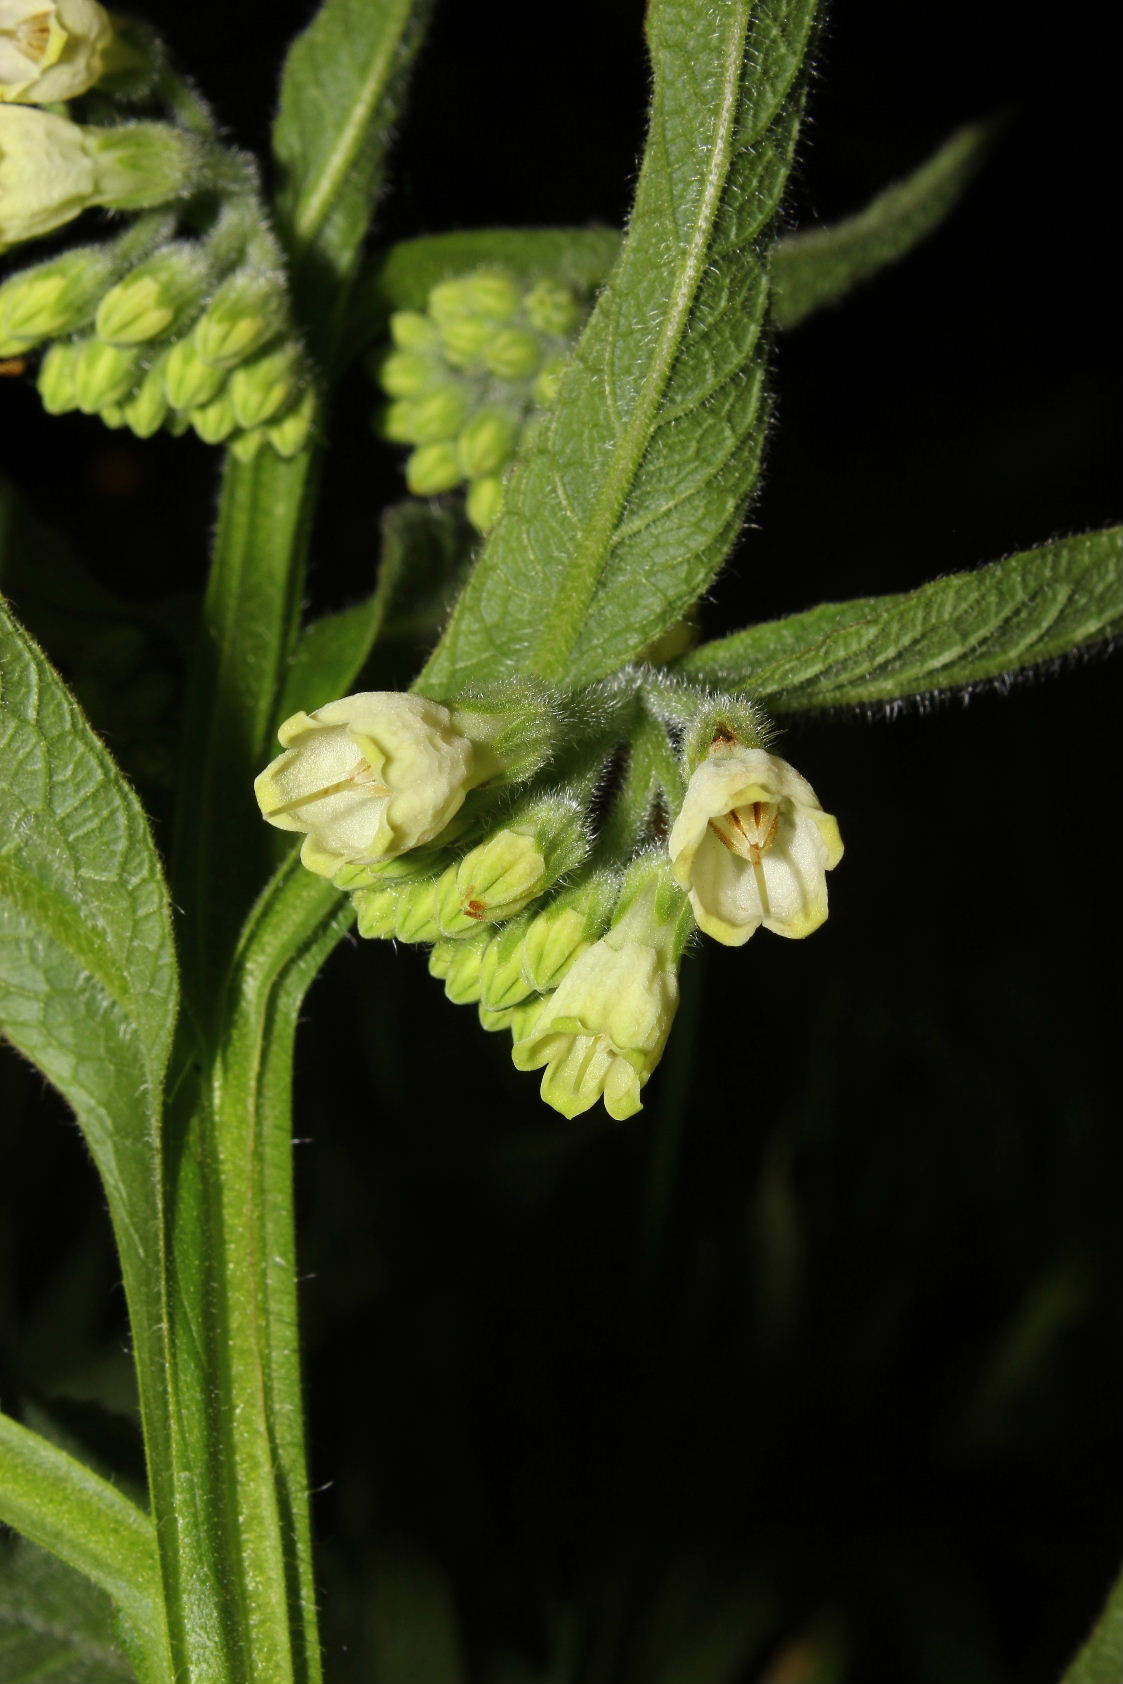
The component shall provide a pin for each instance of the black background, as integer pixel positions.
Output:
(824, 1344)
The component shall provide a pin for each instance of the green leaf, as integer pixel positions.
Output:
(821, 266)
(406, 273)
(1100, 1660)
(965, 630)
(55, 1627)
(340, 92)
(624, 510)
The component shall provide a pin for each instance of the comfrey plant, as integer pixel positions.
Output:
(574, 796)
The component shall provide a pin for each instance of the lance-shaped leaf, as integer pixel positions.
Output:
(958, 632)
(819, 267)
(625, 509)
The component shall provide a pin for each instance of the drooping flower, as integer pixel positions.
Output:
(47, 173)
(752, 846)
(367, 777)
(51, 49)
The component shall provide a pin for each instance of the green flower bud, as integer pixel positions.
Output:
(491, 293)
(464, 339)
(249, 309)
(104, 374)
(138, 165)
(248, 445)
(485, 501)
(502, 982)
(501, 876)
(432, 469)
(261, 389)
(155, 296)
(112, 415)
(47, 175)
(188, 381)
(377, 912)
(386, 873)
(53, 298)
(51, 50)
(290, 434)
(459, 962)
(488, 441)
(406, 374)
(56, 378)
(548, 384)
(551, 308)
(513, 353)
(214, 421)
(417, 912)
(430, 419)
(411, 331)
(146, 411)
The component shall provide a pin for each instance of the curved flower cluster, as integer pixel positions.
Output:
(467, 376)
(407, 805)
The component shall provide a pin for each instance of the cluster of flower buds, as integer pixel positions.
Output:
(163, 326)
(446, 825)
(467, 376)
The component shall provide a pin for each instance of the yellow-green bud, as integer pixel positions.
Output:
(146, 411)
(417, 912)
(104, 374)
(492, 883)
(47, 175)
(214, 421)
(549, 380)
(502, 982)
(405, 374)
(51, 50)
(52, 298)
(56, 378)
(411, 331)
(379, 874)
(262, 388)
(464, 339)
(551, 308)
(487, 442)
(248, 445)
(561, 932)
(112, 415)
(513, 353)
(249, 309)
(485, 501)
(188, 381)
(155, 296)
(491, 293)
(290, 434)
(458, 963)
(377, 912)
(432, 469)
(430, 419)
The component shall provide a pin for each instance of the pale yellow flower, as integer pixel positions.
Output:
(51, 49)
(47, 175)
(366, 778)
(753, 846)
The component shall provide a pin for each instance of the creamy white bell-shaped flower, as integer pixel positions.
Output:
(753, 846)
(47, 174)
(603, 1030)
(51, 49)
(367, 777)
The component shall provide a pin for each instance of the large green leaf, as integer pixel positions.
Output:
(55, 1627)
(821, 266)
(625, 509)
(967, 629)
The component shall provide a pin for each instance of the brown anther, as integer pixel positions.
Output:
(475, 909)
(32, 35)
(723, 734)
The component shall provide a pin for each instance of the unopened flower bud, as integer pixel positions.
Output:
(560, 933)
(249, 309)
(376, 912)
(104, 374)
(490, 293)
(155, 296)
(412, 331)
(488, 441)
(551, 308)
(291, 433)
(214, 421)
(417, 912)
(52, 298)
(459, 964)
(430, 419)
(497, 879)
(502, 980)
(188, 381)
(485, 500)
(147, 409)
(406, 374)
(549, 380)
(464, 339)
(47, 173)
(261, 388)
(51, 50)
(245, 446)
(56, 382)
(367, 777)
(513, 353)
(432, 469)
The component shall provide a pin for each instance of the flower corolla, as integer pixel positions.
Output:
(366, 778)
(51, 49)
(47, 175)
(752, 846)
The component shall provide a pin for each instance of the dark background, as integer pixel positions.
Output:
(814, 1364)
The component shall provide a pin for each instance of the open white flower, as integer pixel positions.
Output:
(51, 49)
(367, 777)
(753, 846)
(47, 174)
(602, 1032)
